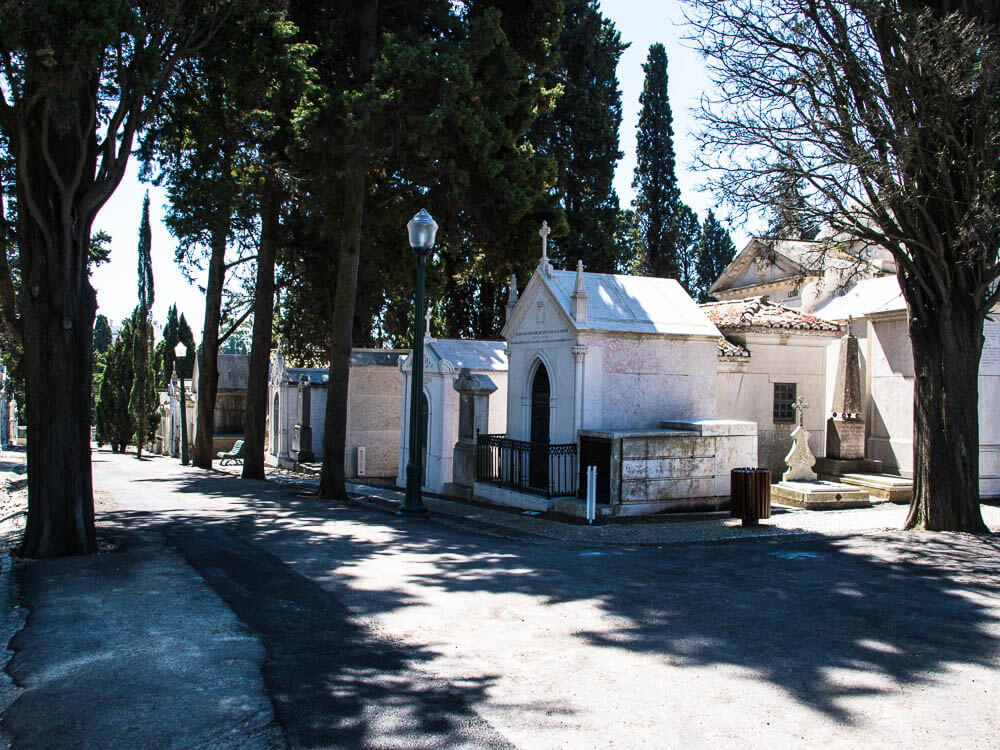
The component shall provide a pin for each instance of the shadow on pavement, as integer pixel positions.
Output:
(803, 614)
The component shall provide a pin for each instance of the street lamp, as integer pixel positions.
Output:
(180, 353)
(422, 229)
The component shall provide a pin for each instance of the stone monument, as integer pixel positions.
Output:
(845, 429)
(473, 418)
(302, 436)
(800, 459)
(799, 485)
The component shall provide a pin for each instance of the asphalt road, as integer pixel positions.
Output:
(340, 626)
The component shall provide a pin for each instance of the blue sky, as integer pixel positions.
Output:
(640, 22)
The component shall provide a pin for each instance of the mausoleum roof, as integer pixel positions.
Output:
(761, 313)
(482, 356)
(632, 304)
(880, 294)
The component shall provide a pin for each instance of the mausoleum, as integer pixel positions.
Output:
(444, 362)
(614, 371)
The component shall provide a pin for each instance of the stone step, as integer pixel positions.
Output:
(882, 487)
(819, 495)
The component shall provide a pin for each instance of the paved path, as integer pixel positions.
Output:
(366, 630)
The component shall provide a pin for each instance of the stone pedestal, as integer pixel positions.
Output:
(473, 418)
(845, 438)
(302, 434)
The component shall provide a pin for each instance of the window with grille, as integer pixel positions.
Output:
(784, 397)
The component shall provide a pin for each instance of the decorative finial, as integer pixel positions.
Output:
(512, 297)
(579, 296)
(580, 289)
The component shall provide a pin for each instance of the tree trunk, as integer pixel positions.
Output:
(208, 352)
(333, 473)
(947, 345)
(254, 435)
(57, 348)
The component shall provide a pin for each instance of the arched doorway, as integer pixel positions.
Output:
(539, 435)
(275, 428)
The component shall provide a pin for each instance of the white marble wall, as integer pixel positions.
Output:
(746, 390)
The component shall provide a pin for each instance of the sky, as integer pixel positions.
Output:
(640, 23)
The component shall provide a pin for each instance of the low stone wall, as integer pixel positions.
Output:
(684, 465)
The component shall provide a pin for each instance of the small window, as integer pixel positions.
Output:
(784, 397)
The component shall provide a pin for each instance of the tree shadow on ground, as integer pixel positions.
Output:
(805, 614)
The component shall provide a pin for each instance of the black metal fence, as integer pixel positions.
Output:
(547, 469)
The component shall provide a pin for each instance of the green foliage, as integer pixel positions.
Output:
(114, 419)
(176, 330)
(142, 401)
(102, 334)
(581, 134)
(146, 292)
(655, 180)
(687, 236)
(715, 252)
(461, 150)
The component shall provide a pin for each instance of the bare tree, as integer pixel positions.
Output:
(885, 112)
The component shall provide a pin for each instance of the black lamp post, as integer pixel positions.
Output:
(422, 229)
(180, 354)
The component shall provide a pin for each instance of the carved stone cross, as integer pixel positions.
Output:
(427, 317)
(800, 405)
(544, 233)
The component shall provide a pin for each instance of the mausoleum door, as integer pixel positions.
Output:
(540, 399)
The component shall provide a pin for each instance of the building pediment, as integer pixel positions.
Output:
(768, 261)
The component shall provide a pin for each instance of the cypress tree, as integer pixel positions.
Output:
(143, 397)
(715, 252)
(655, 179)
(581, 134)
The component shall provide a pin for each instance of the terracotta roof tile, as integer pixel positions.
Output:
(760, 312)
(729, 348)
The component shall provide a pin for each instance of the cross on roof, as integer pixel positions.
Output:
(427, 317)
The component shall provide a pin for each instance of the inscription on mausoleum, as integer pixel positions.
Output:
(989, 363)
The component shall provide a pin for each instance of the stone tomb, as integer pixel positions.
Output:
(799, 485)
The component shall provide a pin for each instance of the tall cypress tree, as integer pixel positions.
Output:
(715, 252)
(581, 134)
(655, 179)
(143, 394)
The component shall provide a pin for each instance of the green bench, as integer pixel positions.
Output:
(233, 456)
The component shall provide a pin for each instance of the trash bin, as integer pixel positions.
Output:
(750, 495)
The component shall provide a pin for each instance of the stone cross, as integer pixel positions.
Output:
(544, 233)
(800, 405)
(427, 317)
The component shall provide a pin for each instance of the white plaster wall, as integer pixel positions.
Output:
(890, 407)
(746, 391)
(638, 381)
(558, 359)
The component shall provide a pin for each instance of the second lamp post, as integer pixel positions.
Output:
(422, 229)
